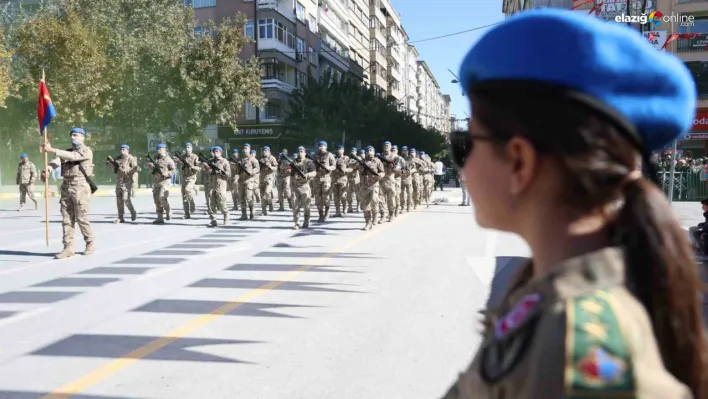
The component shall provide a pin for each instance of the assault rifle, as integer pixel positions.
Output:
(181, 158)
(293, 165)
(317, 163)
(112, 162)
(366, 167)
(238, 164)
(384, 160)
(214, 169)
(149, 158)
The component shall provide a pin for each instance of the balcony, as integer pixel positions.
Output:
(356, 69)
(338, 6)
(334, 26)
(277, 84)
(276, 5)
(395, 73)
(690, 6)
(329, 53)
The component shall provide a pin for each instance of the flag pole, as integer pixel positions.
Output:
(46, 184)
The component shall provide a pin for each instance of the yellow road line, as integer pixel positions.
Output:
(107, 370)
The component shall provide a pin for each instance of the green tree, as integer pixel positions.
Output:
(5, 63)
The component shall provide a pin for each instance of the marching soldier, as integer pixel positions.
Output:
(340, 181)
(207, 197)
(162, 171)
(362, 155)
(388, 182)
(430, 178)
(325, 163)
(267, 174)
(353, 181)
(372, 170)
(406, 180)
(188, 181)
(234, 163)
(218, 173)
(283, 182)
(125, 167)
(301, 173)
(248, 181)
(416, 168)
(381, 201)
(26, 176)
(256, 191)
(76, 168)
(397, 178)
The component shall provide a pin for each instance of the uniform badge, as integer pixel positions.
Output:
(516, 315)
(599, 367)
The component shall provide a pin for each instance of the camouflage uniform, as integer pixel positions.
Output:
(234, 163)
(247, 184)
(340, 184)
(370, 189)
(323, 182)
(301, 192)
(26, 176)
(416, 167)
(267, 176)
(218, 176)
(125, 167)
(189, 183)
(388, 183)
(406, 183)
(398, 179)
(353, 184)
(283, 183)
(429, 182)
(162, 174)
(75, 200)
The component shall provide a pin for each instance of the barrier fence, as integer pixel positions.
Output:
(688, 186)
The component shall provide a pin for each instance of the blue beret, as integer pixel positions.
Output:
(324, 143)
(126, 146)
(648, 92)
(266, 148)
(235, 150)
(22, 156)
(387, 142)
(253, 151)
(217, 148)
(362, 151)
(394, 147)
(77, 130)
(369, 147)
(340, 146)
(247, 145)
(405, 147)
(422, 153)
(301, 148)
(353, 149)
(188, 144)
(413, 150)
(161, 145)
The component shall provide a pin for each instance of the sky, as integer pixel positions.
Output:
(423, 19)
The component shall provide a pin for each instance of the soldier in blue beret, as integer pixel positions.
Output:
(322, 183)
(248, 182)
(162, 171)
(26, 176)
(564, 106)
(406, 180)
(268, 167)
(76, 165)
(282, 181)
(125, 167)
(190, 166)
(353, 182)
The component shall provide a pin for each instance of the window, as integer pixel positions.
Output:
(301, 79)
(300, 12)
(312, 55)
(198, 31)
(312, 23)
(700, 25)
(270, 28)
(272, 110)
(265, 28)
(200, 3)
(699, 71)
(248, 29)
(269, 71)
(250, 111)
(300, 49)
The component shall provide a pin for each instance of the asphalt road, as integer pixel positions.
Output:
(253, 310)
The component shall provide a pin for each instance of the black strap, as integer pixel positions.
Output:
(93, 185)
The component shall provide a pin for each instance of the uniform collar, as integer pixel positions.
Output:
(574, 277)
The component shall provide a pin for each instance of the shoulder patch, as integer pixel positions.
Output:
(598, 361)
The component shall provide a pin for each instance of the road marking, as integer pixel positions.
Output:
(23, 316)
(484, 266)
(107, 370)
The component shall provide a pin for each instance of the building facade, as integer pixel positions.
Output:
(430, 100)
(410, 81)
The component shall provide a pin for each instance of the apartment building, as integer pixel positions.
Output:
(378, 38)
(410, 80)
(395, 51)
(359, 43)
(430, 100)
(333, 17)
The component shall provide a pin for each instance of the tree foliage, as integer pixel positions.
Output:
(136, 66)
(5, 78)
(326, 107)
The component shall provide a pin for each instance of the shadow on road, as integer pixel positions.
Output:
(25, 253)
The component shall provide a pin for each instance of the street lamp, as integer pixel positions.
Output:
(456, 80)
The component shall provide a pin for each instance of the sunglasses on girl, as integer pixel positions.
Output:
(461, 145)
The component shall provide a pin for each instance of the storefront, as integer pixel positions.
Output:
(277, 136)
(695, 143)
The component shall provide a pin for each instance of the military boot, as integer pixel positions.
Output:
(159, 219)
(36, 205)
(243, 214)
(250, 216)
(280, 207)
(367, 220)
(119, 220)
(264, 210)
(21, 208)
(306, 223)
(212, 223)
(192, 207)
(186, 214)
(226, 219)
(326, 212)
(290, 203)
(89, 248)
(133, 215)
(270, 206)
(67, 252)
(168, 214)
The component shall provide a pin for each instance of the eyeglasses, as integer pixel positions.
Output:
(461, 145)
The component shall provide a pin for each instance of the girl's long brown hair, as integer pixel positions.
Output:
(595, 158)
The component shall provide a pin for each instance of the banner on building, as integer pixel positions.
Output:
(657, 38)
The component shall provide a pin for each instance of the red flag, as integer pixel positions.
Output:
(45, 108)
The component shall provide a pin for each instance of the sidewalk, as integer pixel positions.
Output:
(103, 191)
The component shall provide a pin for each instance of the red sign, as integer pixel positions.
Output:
(700, 122)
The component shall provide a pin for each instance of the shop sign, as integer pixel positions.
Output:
(700, 124)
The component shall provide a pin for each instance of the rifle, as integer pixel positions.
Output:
(366, 167)
(209, 162)
(317, 163)
(238, 164)
(181, 159)
(293, 165)
(149, 158)
(112, 162)
(390, 163)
